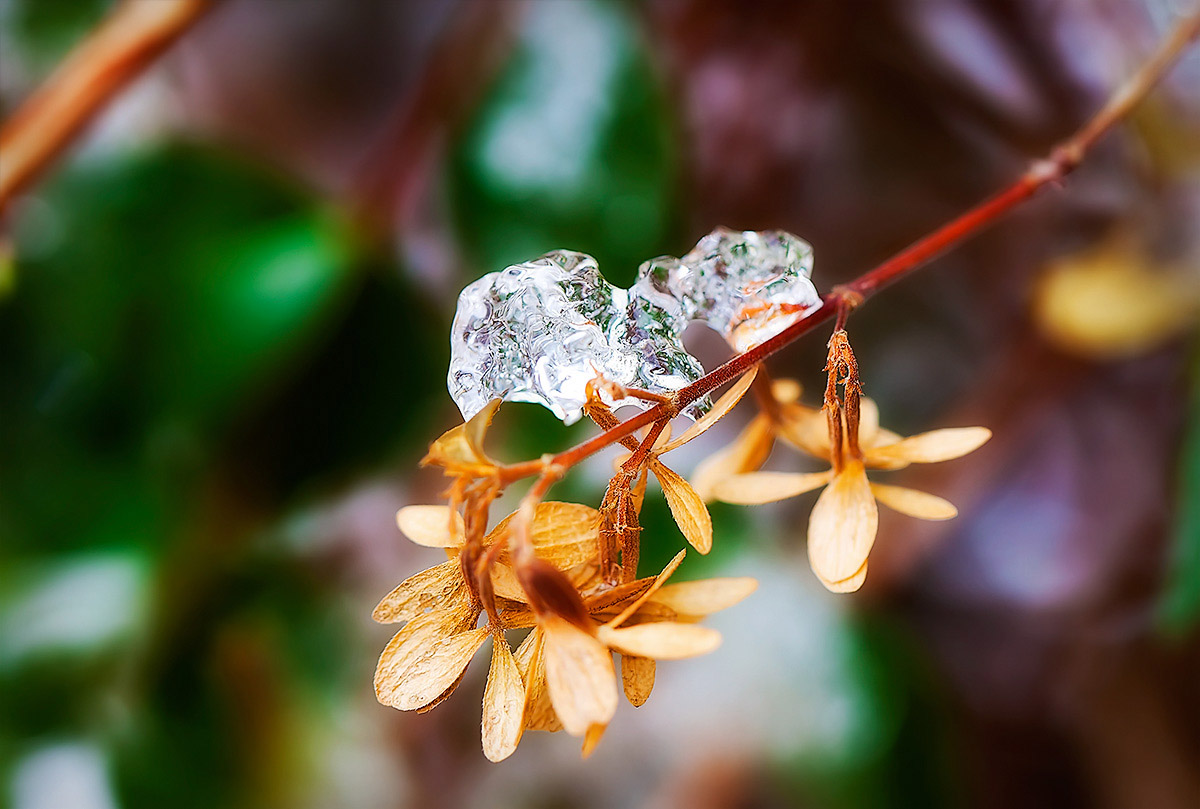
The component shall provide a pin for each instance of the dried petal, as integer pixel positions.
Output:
(786, 391)
(842, 527)
(806, 429)
(459, 450)
(436, 587)
(723, 405)
(663, 640)
(564, 534)
(531, 662)
(756, 488)
(592, 738)
(748, 452)
(917, 504)
(503, 703)
(424, 659)
(432, 526)
(579, 676)
(847, 585)
(637, 678)
(933, 446)
(658, 582)
(687, 508)
(704, 597)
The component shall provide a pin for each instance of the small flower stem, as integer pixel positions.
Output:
(1062, 160)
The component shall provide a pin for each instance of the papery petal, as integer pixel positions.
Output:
(786, 391)
(917, 504)
(579, 676)
(748, 452)
(432, 526)
(806, 429)
(503, 703)
(424, 659)
(704, 597)
(460, 449)
(637, 678)
(868, 421)
(531, 662)
(658, 582)
(689, 511)
(437, 587)
(592, 738)
(563, 534)
(664, 640)
(722, 406)
(933, 446)
(756, 488)
(842, 527)
(847, 585)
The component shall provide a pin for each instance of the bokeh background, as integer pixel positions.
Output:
(223, 342)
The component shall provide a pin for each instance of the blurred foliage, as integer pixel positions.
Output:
(1179, 607)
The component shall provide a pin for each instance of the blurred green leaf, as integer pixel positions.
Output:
(572, 149)
(1179, 605)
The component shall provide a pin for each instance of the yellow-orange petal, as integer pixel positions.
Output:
(503, 703)
(842, 526)
(649, 591)
(756, 488)
(662, 640)
(931, 447)
(689, 511)
(563, 534)
(786, 390)
(806, 429)
(432, 526)
(530, 658)
(722, 406)
(921, 505)
(847, 585)
(460, 449)
(424, 660)
(748, 452)
(637, 678)
(705, 596)
(439, 586)
(592, 738)
(579, 676)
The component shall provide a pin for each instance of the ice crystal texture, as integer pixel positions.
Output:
(541, 330)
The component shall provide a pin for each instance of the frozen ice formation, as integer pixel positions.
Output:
(541, 330)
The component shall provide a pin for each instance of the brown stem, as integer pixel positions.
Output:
(1061, 161)
(124, 45)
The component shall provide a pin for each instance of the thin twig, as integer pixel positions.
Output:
(1061, 162)
(124, 45)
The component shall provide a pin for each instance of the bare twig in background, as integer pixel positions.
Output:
(124, 45)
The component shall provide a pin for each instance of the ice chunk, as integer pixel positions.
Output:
(541, 330)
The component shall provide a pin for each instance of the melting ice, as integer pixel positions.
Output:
(541, 330)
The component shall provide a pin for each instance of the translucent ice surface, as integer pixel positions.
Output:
(541, 330)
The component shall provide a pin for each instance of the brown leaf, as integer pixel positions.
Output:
(503, 703)
(687, 508)
(663, 640)
(579, 676)
(637, 678)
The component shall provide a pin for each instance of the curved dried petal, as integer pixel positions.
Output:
(704, 597)
(460, 449)
(423, 660)
(664, 640)
(503, 703)
(432, 526)
(748, 452)
(579, 676)
(436, 587)
(756, 488)
(658, 582)
(530, 658)
(689, 511)
(786, 391)
(806, 429)
(722, 406)
(847, 585)
(868, 421)
(506, 585)
(637, 678)
(917, 504)
(563, 534)
(842, 527)
(592, 738)
(933, 446)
